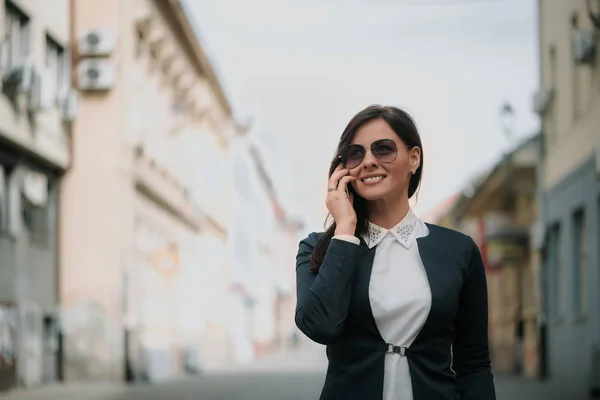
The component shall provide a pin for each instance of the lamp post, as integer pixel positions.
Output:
(508, 120)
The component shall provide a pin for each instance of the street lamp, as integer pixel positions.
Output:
(508, 120)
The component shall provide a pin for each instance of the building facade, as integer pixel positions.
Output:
(500, 212)
(569, 104)
(143, 225)
(35, 119)
(264, 240)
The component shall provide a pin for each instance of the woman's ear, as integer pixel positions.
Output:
(415, 158)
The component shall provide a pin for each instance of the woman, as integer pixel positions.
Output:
(400, 304)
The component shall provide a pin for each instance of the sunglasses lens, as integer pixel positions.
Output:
(385, 150)
(354, 155)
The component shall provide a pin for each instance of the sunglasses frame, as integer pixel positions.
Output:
(371, 150)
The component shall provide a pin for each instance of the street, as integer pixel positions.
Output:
(286, 376)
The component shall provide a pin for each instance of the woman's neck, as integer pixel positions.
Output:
(388, 213)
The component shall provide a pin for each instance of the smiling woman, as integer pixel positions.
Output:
(400, 304)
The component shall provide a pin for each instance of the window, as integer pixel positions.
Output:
(3, 200)
(16, 34)
(552, 126)
(34, 207)
(556, 268)
(55, 65)
(580, 284)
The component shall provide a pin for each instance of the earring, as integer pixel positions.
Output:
(413, 172)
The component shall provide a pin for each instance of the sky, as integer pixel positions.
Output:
(303, 68)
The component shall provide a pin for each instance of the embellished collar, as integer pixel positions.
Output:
(405, 231)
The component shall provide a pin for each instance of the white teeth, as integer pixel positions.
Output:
(373, 179)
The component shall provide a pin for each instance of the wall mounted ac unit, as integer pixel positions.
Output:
(542, 99)
(42, 94)
(96, 74)
(69, 110)
(96, 42)
(18, 79)
(584, 46)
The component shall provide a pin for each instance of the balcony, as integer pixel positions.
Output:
(154, 182)
(42, 133)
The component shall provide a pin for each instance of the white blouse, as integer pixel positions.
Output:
(399, 294)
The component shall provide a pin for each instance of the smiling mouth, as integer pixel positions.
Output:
(373, 179)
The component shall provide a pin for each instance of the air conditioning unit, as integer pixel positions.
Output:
(42, 94)
(97, 42)
(96, 74)
(69, 109)
(18, 79)
(584, 46)
(542, 99)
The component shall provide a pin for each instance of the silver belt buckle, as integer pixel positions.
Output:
(396, 349)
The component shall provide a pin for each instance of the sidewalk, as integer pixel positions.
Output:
(79, 391)
(517, 388)
(306, 358)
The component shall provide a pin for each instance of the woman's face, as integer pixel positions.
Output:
(376, 179)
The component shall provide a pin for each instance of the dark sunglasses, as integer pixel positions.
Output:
(385, 150)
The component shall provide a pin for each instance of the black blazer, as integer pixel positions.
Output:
(448, 360)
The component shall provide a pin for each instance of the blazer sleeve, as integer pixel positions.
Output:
(322, 299)
(471, 358)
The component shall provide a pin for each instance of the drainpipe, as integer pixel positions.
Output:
(60, 362)
(543, 348)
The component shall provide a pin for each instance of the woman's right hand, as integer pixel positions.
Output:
(339, 201)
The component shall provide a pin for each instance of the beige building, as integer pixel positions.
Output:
(569, 105)
(264, 238)
(500, 213)
(35, 110)
(143, 278)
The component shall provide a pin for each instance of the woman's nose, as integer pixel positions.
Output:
(369, 159)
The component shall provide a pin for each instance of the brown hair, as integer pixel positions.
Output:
(406, 129)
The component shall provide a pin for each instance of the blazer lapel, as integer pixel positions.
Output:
(360, 306)
(444, 277)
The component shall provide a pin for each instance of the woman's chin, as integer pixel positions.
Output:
(371, 194)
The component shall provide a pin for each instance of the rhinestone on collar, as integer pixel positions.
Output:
(402, 232)
(405, 231)
(374, 233)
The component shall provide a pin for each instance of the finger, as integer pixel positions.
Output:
(336, 176)
(343, 184)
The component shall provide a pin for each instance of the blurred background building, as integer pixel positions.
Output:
(144, 236)
(35, 152)
(264, 237)
(536, 215)
(569, 104)
(115, 202)
(142, 233)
